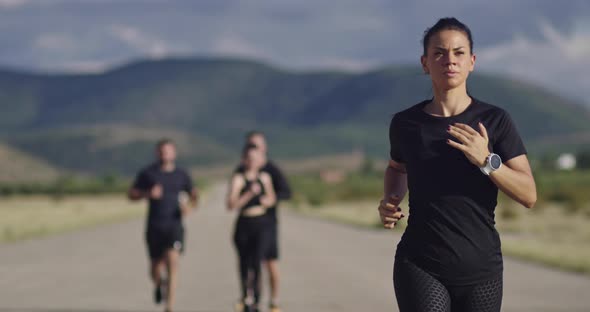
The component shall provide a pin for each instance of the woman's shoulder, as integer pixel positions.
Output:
(409, 112)
(493, 116)
(264, 176)
(238, 177)
(490, 108)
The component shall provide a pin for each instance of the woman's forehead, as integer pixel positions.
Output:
(445, 39)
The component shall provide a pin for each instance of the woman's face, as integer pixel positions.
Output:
(254, 159)
(448, 59)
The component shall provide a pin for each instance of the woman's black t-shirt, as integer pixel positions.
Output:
(451, 229)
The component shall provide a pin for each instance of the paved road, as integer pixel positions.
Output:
(327, 267)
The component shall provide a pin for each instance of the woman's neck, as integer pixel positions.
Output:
(448, 103)
(251, 173)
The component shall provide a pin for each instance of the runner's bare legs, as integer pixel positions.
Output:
(172, 256)
(156, 267)
(274, 278)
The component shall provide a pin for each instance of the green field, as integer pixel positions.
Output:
(67, 204)
(27, 217)
(555, 232)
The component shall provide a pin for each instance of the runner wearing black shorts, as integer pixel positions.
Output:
(452, 153)
(283, 192)
(251, 193)
(171, 197)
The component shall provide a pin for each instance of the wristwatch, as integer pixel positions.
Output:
(493, 163)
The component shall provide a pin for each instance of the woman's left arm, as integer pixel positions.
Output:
(514, 178)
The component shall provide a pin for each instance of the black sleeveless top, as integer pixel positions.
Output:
(255, 201)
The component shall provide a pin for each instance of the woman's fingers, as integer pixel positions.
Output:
(389, 214)
(391, 219)
(460, 135)
(256, 189)
(466, 128)
(389, 205)
(472, 143)
(456, 145)
(483, 130)
(389, 225)
(389, 210)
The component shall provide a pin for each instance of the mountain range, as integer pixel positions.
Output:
(108, 122)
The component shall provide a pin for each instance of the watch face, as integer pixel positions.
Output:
(495, 162)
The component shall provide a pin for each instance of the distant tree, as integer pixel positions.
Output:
(109, 179)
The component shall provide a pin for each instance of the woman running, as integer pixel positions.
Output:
(452, 152)
(251, 192)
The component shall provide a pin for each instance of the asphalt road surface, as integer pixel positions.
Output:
(325, 267)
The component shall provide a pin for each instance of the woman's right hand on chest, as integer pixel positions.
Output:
(255, 188)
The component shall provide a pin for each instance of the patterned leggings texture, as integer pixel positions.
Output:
(418, 291)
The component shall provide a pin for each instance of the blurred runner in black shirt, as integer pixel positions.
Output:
(171, 197)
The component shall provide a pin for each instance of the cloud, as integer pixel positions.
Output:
(55, 42)
(234, 45)
(141, 41)
(346, 64)
(573, 47)
(550, 60)
(306, 34)
(12, 4)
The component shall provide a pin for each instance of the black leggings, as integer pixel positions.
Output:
(251, 238)
(418, 291)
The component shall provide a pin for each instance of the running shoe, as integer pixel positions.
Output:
(158, 294)
(239, 306)
(273, 307)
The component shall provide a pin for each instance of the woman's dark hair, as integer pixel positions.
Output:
(447, 23)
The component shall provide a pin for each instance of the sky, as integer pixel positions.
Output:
(543, 41)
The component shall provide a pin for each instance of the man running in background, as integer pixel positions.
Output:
(171, 197)
(283, 192)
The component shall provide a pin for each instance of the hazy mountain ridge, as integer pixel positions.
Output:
(208, 104)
